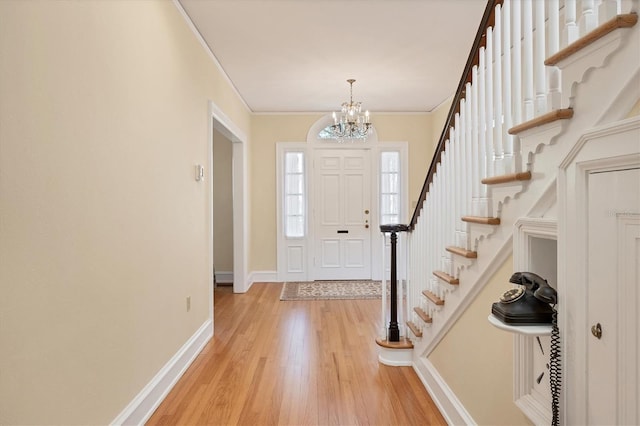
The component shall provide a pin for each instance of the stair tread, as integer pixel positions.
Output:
(404, 343)
(423, 315)
(511, 177)
(550, 117)
(446, 277)
(482, 220)
(620, 21)
(414, 329)
(462, 252)
(435, 299)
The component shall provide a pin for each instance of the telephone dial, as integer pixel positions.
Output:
(528, 304)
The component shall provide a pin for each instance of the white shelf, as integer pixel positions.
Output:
(527, 330)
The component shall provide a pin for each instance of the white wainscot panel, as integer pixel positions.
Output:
(330, 253)
(295, 256)
(354, 253)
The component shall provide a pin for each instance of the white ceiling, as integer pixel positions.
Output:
(296, 55)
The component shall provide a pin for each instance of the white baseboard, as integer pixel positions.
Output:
(263, 277)
(224, 277)
(448, 403)
(145, 403)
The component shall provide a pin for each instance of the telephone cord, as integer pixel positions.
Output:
(555, 373)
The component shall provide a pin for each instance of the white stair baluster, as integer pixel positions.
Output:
(589, 20)
(482, 201)
(498, 150)
(571, 29)
(469, 162)
(538, 60)
(607, 10)
(553, 73)
(527, 57)
(516, 84)
(475, 144)
(459, 177)
(383, 331)
(489, 108)
(508, 160)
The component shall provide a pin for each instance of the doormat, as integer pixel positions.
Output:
(326, 290)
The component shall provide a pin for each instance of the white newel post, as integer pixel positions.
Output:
(509, 165)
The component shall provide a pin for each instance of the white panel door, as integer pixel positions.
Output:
(613, 297)
(342, 232)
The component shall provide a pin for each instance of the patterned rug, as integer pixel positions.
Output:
(323, 290)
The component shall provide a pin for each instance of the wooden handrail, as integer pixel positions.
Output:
(480, 40)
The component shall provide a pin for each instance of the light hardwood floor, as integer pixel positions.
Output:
(294, 363)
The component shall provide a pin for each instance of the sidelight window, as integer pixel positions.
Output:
(294, 195)
(389, 187)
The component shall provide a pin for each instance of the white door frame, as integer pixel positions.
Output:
(608, 147)
(222, 123)
(313, 143)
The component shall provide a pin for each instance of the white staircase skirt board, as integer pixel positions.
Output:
(447, 402)
(145, 403)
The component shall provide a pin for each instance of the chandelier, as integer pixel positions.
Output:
(350, 123)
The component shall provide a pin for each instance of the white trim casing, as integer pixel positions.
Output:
(145, 403)
(535, 405)
(222, 123)
(263, 277)
(224, 277)
(607, 147)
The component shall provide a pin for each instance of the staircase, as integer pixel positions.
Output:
(526, 95)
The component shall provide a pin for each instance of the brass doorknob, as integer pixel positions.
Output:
(366, 212)
(596, 330)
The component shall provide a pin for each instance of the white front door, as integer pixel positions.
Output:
(613, 297)
(342, 214)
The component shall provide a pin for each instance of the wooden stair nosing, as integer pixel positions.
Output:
(404, 343)
(481, 220)
(414, 329)
(620, 21)
(423, 315)
(432, 297)
(512, 177)
(462, 252)
(446, 277)
(550, 117)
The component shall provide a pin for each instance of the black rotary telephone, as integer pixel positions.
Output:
(533, 302)
(528, 304)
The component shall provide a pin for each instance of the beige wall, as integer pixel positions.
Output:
(222, 204)
(635, 110)
(476, 359)
(103, 115)
(267, 130)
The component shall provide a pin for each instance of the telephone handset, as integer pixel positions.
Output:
(528, 304)
(533, 302)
